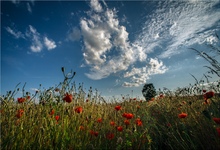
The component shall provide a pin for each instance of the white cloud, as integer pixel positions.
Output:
(29, 8)
(74, 34)
(16, 34)
(139, 76)
(176, 23)
(102, 37)
(50, 44)
(107, 49)
(35, 38)
(96, 6)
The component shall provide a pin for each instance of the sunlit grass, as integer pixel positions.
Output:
(88, 125)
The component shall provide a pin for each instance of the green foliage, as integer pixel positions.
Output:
(149, 91)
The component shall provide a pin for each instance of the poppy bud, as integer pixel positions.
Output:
(63, 69)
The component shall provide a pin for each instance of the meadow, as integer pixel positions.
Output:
(66, 118)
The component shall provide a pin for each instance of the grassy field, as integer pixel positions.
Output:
(71, 121)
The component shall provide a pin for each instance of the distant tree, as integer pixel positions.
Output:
(149, 91)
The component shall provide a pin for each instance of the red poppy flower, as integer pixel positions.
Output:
(208, 95)
(120, 128)
(81, 128)
(118, 107)
(138, 122)
(110, 136)
(169, 125)
(19, 113)
(99, 120)
(127, 122)
(134, 99)
(128, 115)
(21, 100)
(182, 115)
(57, 117)
(94, 133)
(218, 131)
(28, 97)
(68, 98)
(112, 123)
(52, 111)
(217, 120)
(79, 109)
(203, 91)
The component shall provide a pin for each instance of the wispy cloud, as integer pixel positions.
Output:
(37, 41)
(29, 7)
(139, 76)
(50, 44)
(74, 34)
(15, 33)
(174, 24)
(36, 45)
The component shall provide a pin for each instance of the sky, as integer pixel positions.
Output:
(113, 46)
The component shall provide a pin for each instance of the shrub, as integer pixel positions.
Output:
(148, 91)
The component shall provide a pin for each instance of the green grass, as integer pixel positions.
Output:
(37, 128)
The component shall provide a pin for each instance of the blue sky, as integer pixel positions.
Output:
(114, 46)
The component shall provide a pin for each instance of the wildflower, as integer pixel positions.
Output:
(218, 130)
(203, 91)
(138, 122)
(134, 99)
(208, 95)
(206, 102)
(169, 125)
(217, 120)
(161, 96)
(128, 115)
(81, 128)
(119, 128)
(21, 100)
(52, 111)
(110, 136)
(99, 120)
(94, 133)
(79, 109)
(127, 122)
(182, 115)
(118, 107)
(184, 102)
(112, 123)
(19, 113)
(152, 99)
(68, 98)
(28, 97)
(87, 100)
(57, 117)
